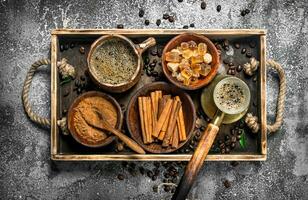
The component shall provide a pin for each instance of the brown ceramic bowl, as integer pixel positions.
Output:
(185, 37)
(72, 112)
(133, 120)
(137, 49)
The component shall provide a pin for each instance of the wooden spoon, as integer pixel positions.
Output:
(104, 125)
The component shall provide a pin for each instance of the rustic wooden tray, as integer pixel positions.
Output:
(66, 149)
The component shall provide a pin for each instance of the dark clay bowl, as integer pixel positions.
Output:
(133, 120)
(185, 37)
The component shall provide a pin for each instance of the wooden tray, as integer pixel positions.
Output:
(66, 149)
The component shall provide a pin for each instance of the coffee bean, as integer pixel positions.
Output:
(154, 52)
(247, 11)
(165, 180)
(159, 53)
(141, 170)
(226, 61)
(66, 47)
(146, 60)
(198, 134)
(167, 188)
(66, 93)
(157, 78)
(64, 111)
(166, 16)
(254, 79)
(171, 19)
(227, 48)
(228, 142)
(61, 47)
(150, 174)
(121, 177)
(180, 1)
(238, 137)
(248, 54)
(158, 22)
(234, 163)
(231, 64)
(175, 180)
(192, 25)
(229, 72)
(232, 71)
(202, 128)
(154, 178)
(239, 68)
(146, 22)
(233, 139)
(185, 27)
(227, 184)
(243, 13)
(218, 8)
(243, 50)
(220, 141)
(166, 175)
(227, 137)
(155, 188)
(120, 26)
(79, 90)
(232, 145)
(203, 5)
(173, 190)
(186, 150)
(222, 146)
(141, 13)
(227, 150)
(237, 45)
(152, 65)
(225, 43)
(223, 151)
(72, 45)
(148, 72)
(252, 44)
(82, 50)
(155, 74)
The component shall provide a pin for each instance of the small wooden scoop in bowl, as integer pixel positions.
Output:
(103, 125)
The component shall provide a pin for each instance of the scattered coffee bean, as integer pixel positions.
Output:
(232, 145)
(175, 180)
(227, 48)
(225, 43)
(237, 45)
(227, 137)
(233, 139)
(72, 45)
(238, 137)
(180, 1)
(166, 16)
(171, 19)
(154, 52)
(64, 111)
(192, 25)
(120, 26)
(186, 150)
(239, 68)
(223, 151)
(231, 64)
(222, 146)
(155, 188)
(243, 13)
(79, 90)
(159, 53)
(82, 50)
(220, 141)
(198, 134)
(243, 50)
(203, 5)
(158, 22)
(146, 60)
(146, 22)
(227, 184)
(141, 170)
(173, 190)
(247, 11)
(234, 163)
(226, 61)
(254, 104)
(141, 13)
(152, 65)
(202, 128)
(66, 93)
(121, 177)
(185, 27)
(61, 47)
(155, 74)
(218, 8)
(228, 142)
(248, 54)
(66, 47)
(150, 174)
(154, 178)
(254, 79)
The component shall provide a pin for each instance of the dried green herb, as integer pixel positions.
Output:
(66, 80)
(243, 142)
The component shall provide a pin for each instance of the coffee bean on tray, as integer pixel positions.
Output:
(180, 1)
(252, 44)
(82, 50)
(218, 8)
(248, 54)
(243, 50)
(239, 68)
(141, 13)
(61, 47)
(185, 27)
(72, 45)
(154, 52)
(146, 60)
(237, 45)
(66, 47)
(203, 5)
(243, 13)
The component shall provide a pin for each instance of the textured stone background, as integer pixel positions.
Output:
(26, 171)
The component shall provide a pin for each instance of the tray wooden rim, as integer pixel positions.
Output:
(55, 155)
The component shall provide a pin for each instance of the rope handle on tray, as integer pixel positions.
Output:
(252, 121)
(65, 70)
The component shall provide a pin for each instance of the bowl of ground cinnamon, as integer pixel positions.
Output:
(85, 106)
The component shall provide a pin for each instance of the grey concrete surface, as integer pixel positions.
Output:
(26, 171)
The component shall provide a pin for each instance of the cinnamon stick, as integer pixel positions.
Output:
(165, 126)
(154, 108)
(146, 120)
(162, 118)
(175, 139)
(181, 123)
(172, 122)
(140, 106)
(149, 110)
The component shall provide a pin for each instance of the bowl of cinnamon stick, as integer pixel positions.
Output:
(160, 117)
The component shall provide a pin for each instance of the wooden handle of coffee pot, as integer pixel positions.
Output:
(196, 162)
